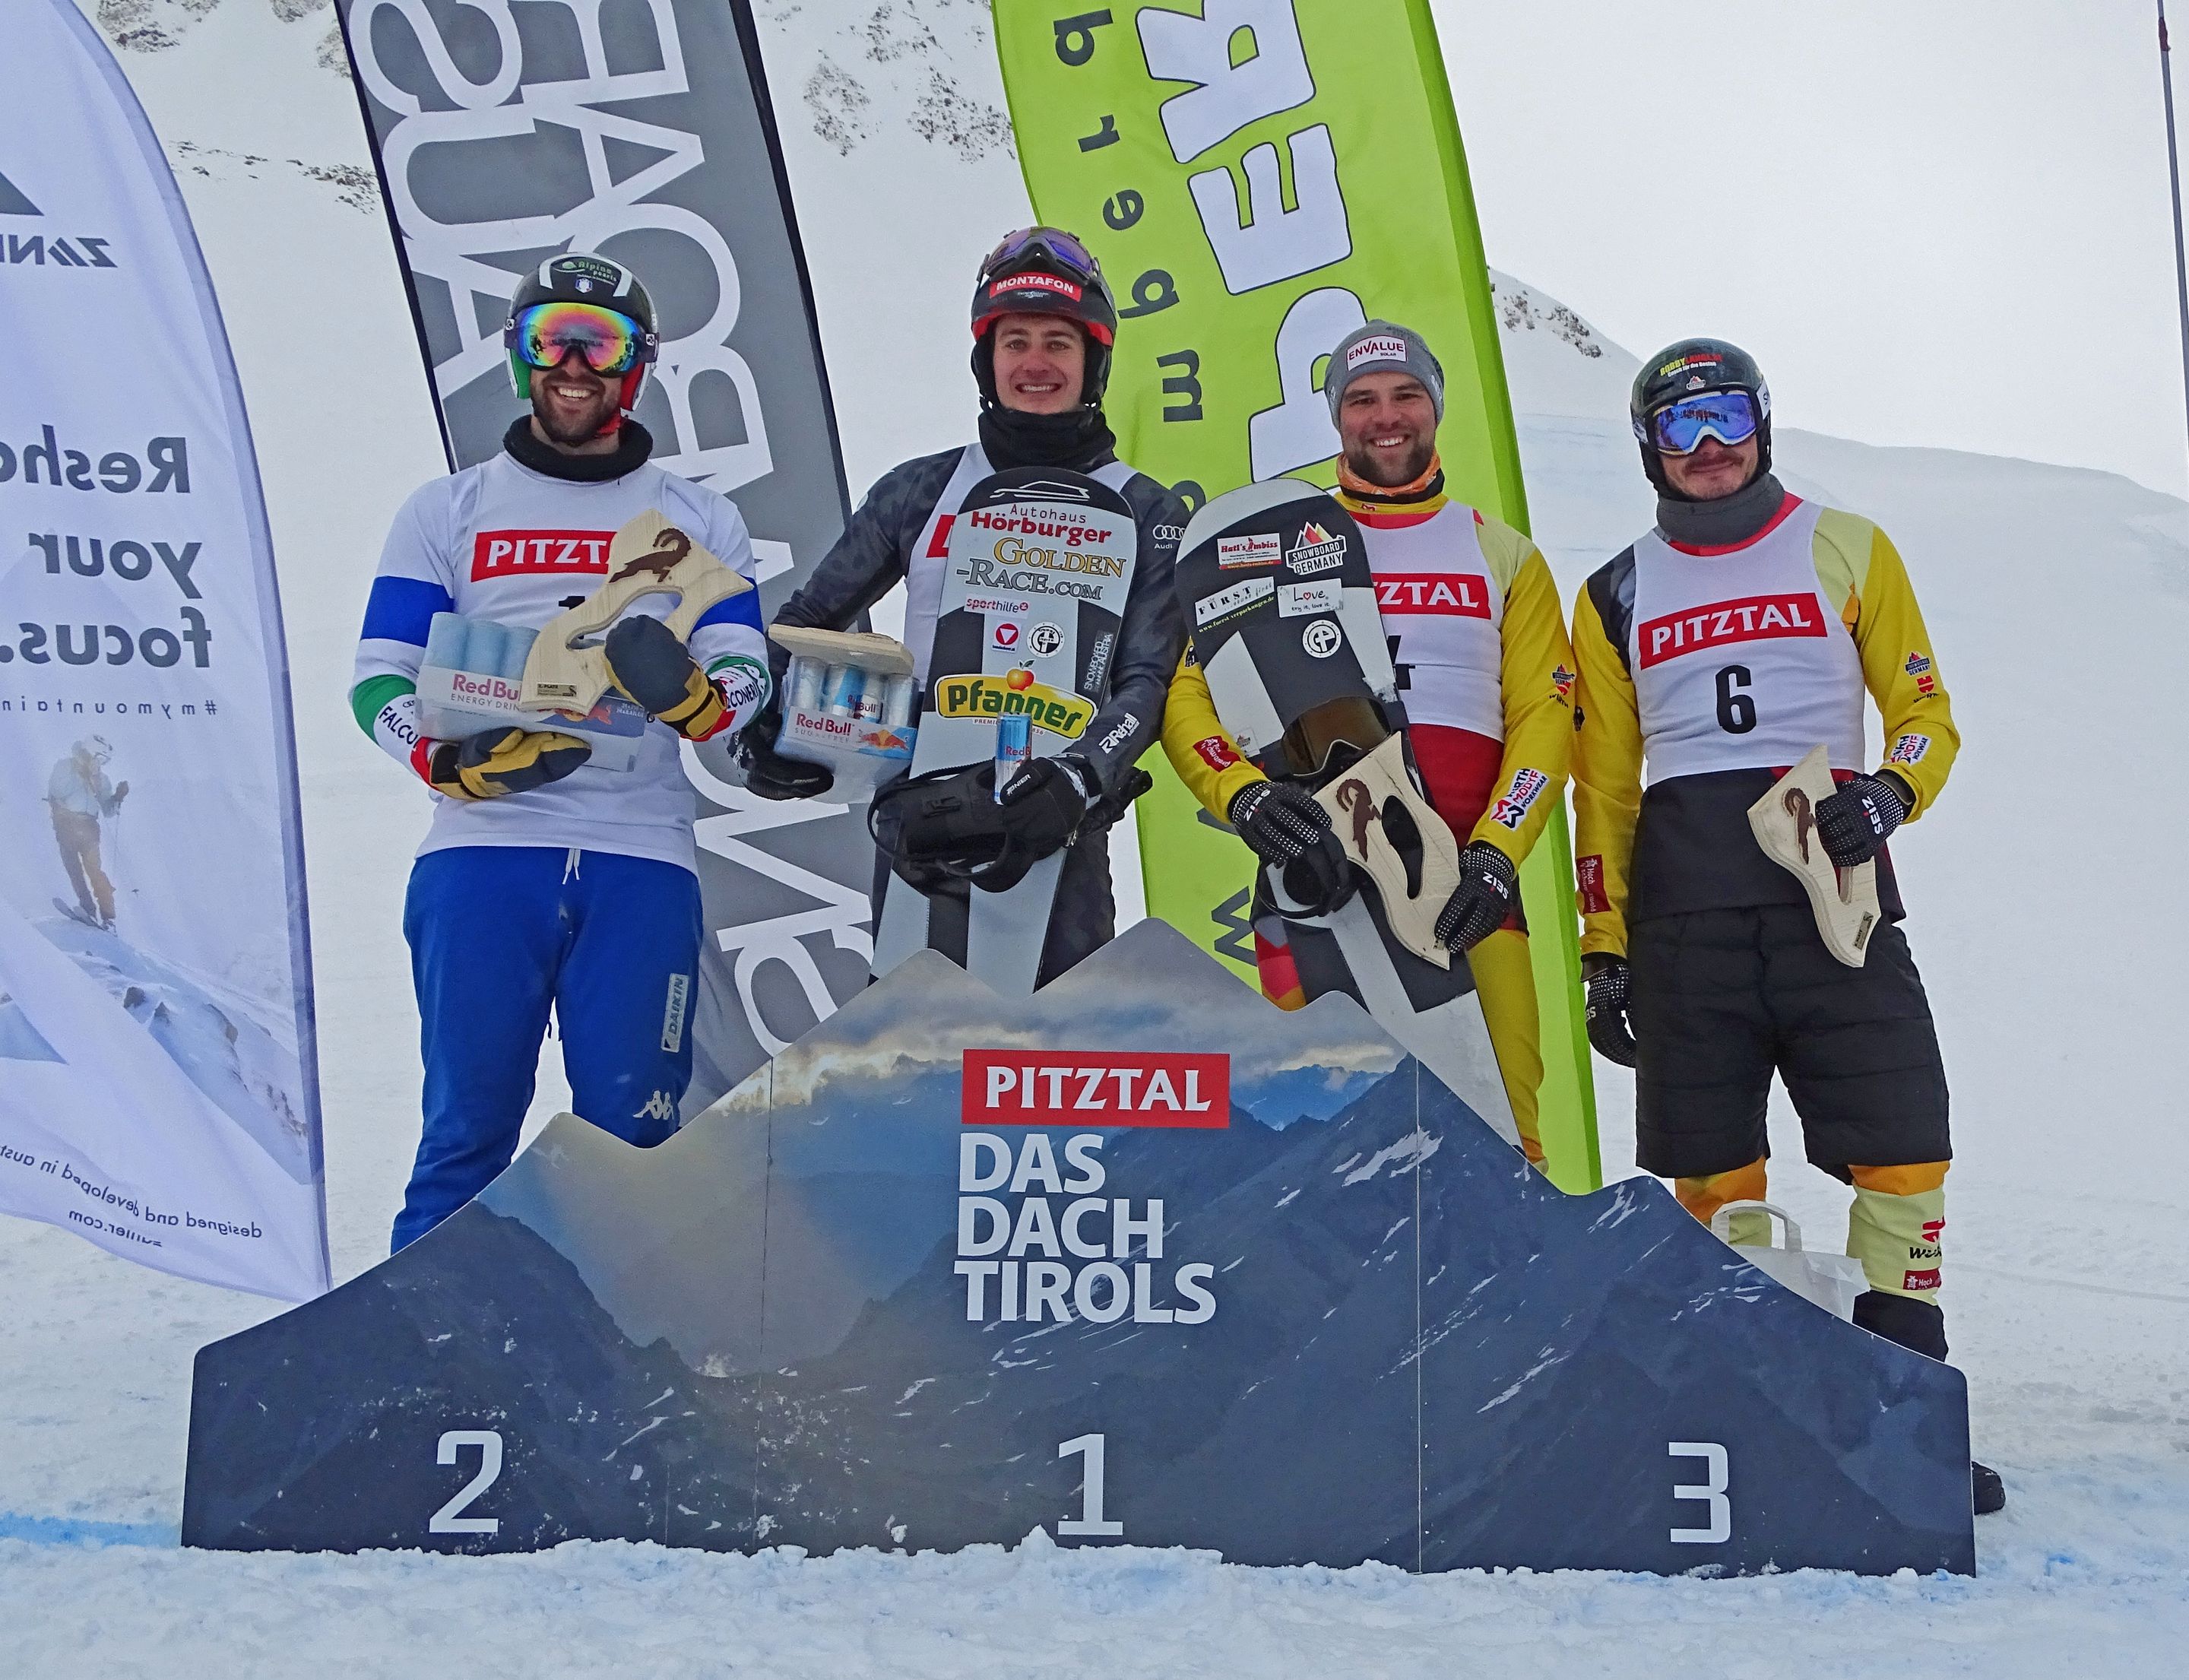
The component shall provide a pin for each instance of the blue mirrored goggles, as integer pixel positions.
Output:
(1729, 416)
(1062, 248)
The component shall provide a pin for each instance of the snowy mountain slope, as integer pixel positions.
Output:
(2058, 599)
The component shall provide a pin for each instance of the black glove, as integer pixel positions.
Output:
(1293, 834)
(769, 772)
(1041, 809)
(499, 761)
(1488, 884)
(650, 664)
(1606, 977)
(1853, 824)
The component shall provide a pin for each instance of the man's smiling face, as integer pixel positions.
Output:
(571, 403)
(1386, 422)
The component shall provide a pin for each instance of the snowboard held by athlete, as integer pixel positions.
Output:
(1485, 674)
(547, 882)
(1715, 654)
(1045, 325)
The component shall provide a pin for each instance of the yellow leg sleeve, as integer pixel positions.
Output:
(1704, 1196)
(1505, 980)
(1896, 1227)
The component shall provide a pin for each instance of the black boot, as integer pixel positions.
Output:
(1920, 1327)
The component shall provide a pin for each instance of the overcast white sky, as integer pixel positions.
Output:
(1938, 222)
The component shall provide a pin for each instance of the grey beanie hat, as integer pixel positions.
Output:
(1383, 346)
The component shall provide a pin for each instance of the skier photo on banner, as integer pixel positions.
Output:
(1043, 327)
(559, 874)
(1482, 666)
(80, 796)
(1727, 644)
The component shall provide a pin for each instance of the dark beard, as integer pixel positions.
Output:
(571, 437)
(1416, 463)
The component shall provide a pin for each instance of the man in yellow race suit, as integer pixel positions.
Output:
(1717, 652)
(1484, 670)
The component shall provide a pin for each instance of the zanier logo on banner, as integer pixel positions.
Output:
(15, 201)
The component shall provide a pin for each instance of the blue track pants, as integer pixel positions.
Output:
(498, 936)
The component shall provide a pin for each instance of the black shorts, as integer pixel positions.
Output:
(1723, 998)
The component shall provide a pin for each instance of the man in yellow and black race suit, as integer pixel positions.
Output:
(1717, 652)
(1479, 644)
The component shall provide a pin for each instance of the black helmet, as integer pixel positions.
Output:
(1688, 368)
(583, 277)
(1044, 271)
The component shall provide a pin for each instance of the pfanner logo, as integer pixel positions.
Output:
(1759, 618)
(1085, 1089)
(500, 554)
(42, 250)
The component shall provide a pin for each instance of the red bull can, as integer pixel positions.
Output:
(847, 686)
(1014, 747)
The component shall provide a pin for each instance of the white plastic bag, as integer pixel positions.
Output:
(1830, 1280)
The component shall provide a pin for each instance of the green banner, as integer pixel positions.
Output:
(1260, 177)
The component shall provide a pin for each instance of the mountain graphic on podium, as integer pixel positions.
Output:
(909, 1286)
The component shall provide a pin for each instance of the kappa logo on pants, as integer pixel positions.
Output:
(657, 1107)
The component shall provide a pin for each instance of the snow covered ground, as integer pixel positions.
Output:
(2044, 906)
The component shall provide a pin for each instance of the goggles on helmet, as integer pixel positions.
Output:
(1061, 248)
(1729, 416)
(608, 341)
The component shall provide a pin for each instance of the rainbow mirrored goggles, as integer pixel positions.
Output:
(1729, 416)
(610, 343)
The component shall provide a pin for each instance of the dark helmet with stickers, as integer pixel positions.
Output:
(1694, 367)
(1044, 271)
(583, 277)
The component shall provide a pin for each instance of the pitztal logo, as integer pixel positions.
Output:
(1759, 618)
(498, 554)
(1081, 1088)
(1448, 594)
(1014, 693)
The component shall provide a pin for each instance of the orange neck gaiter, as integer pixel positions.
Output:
(1429, 485)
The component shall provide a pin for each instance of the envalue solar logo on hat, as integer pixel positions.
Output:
(1377, 349)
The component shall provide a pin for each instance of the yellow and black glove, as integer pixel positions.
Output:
(650, 664)
(498, 761)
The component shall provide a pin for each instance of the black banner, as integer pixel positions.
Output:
(504, 133)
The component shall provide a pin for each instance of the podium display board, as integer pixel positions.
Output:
(1139, 1261)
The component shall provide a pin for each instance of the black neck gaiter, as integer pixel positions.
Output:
(634, 443)
(1727, 522)
(1079, 439)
